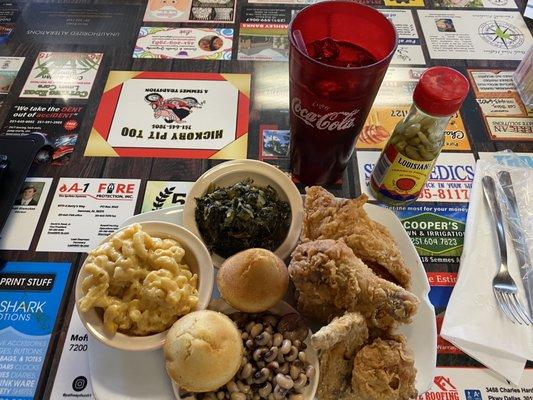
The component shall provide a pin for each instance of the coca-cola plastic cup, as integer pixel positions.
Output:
(333, 83)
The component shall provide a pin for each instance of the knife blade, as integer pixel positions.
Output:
(517, 234)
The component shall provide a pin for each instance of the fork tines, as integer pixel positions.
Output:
(512, 308)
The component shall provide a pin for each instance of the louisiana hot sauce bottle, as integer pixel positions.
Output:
(409, 156)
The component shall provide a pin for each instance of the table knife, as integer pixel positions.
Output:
(518, 236)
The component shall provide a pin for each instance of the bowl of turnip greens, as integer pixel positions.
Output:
(244, 204)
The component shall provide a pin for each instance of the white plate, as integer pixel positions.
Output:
(421, 334)
(173, 215)
(281, 308)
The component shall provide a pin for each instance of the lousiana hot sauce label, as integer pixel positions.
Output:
(398, 176)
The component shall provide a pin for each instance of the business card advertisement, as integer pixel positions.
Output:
(436, 231)
(273, 143)
(31, 295)
(86, 211)
(17, 233)
(60, 123)
(470, 383)
(75, 23)
(475, 35)
(72, 378)
(9, 12)
(62, 75)
(509, 4)
(185, 43)
(386, 3)
(271, 86)
(5, 32)
(449, 182)
(505, 115)
(391, 106)
(164, 194)
(263, 34)
(409, 50)
(190, 11)
(9, 68)
(172, 115)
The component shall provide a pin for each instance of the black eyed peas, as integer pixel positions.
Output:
(274, 366)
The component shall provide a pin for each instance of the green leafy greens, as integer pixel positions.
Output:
(242, 216)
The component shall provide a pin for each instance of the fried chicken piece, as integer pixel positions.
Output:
(327, 274)
(384, 370)
(327, 217)
(338, 343)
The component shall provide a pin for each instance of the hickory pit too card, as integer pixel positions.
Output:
(172, 115)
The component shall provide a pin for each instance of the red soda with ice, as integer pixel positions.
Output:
(335, 69)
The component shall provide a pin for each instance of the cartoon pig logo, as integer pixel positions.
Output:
(173, 109)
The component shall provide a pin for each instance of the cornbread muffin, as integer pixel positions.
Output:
(253, 280)
(203, 351)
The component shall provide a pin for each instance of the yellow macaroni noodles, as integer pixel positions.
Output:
(139, 282)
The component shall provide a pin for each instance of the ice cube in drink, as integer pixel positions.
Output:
(340, 53)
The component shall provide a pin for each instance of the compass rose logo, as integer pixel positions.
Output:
(501, 34)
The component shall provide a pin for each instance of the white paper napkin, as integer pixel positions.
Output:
(473, 321)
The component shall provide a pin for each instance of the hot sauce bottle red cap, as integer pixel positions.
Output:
(440, 91)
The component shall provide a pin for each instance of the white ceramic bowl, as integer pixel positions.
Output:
(263, 174)
(196, 256)
(281, 308)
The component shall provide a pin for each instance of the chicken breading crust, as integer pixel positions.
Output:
(328, 217)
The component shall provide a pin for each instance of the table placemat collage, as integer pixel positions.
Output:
(139, 98)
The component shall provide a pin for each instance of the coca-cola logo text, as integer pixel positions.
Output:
(333, 121)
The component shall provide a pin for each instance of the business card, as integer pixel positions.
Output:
(505, 115)
(9, 68)
(59, 122)
(475, 35)
(22, 221)
(437, 232)
(184, 43)
(510, 4)
(164, 194)
(263, 34)
(62, 75)
(172, 115)
(190, 11)
(9, 12)
(77, 23)
(273, 143)
(409, 50)
(31, 295)
(84, 211)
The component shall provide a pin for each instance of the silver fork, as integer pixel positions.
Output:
(503, 285)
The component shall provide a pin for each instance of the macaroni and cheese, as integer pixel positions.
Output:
(140, 283)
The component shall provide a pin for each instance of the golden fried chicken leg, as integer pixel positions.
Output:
(330, 280)
(384, 370)
(327, 217)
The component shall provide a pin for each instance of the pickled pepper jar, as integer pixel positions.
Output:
(409, 156)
